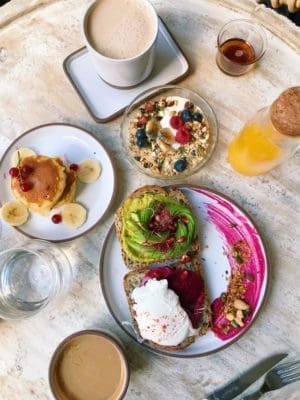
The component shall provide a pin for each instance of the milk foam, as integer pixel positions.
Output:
(121, 28)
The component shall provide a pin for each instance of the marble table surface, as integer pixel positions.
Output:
(35, 38)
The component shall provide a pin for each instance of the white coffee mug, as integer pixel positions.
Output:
(124, 72)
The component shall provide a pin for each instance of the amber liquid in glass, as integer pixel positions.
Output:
(235, 55)
(238, 50)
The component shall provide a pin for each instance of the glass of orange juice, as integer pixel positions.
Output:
(269, 138)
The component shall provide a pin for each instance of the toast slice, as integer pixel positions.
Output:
(134, 278)
(137, 263)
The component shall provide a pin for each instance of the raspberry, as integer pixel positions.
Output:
(183, 135)
(176, 122)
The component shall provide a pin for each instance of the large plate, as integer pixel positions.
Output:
(72, 144)
(220, 222)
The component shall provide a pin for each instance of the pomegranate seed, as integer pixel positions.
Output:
(170, 241)
(149, 107)
(173, 227)
(26, 186)
(184, 219)
(142, 121)
(188, 105)
(56, 218)
(185, 259)
(26, 170)
(14, 172)
(74, 167)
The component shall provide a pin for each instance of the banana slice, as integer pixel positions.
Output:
(20, 153)
(73, 215)
(89, 171)
(14, 213)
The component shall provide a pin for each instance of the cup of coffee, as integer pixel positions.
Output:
(120, 36)
(89, 365)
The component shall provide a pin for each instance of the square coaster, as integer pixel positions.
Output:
(105, 102)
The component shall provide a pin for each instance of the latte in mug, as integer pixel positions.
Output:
(121, 36)
(121, 29)
(89, 365)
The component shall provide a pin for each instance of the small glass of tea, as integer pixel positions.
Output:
(241, 43)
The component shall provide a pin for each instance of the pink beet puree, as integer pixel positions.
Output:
(188, 286)
(245, 253)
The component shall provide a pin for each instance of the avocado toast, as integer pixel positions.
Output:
(156, 224)
(186, 281)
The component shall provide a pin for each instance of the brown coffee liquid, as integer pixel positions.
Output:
(238, 51)
(121, 29)
(90, 367)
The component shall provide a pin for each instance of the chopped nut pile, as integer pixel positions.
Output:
(235, 306)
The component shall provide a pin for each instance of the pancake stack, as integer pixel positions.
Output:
(50, 183)
(45, 185)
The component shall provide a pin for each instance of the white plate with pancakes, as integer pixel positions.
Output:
(222, 225)
(72, 145)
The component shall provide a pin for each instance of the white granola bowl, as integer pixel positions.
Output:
(154, 94)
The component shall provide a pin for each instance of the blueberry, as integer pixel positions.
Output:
(180, 165)
(186, 115)
(142, 142)
(140, 134)
(197, 117)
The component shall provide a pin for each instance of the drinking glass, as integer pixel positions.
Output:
(241, 43)
(32, 276)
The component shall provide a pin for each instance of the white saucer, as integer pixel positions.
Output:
(105, 102)
(71, 144)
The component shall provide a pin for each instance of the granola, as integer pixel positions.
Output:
(169, 136)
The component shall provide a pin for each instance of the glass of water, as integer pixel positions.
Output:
(32, 276)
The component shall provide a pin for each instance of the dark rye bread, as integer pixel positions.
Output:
(133, 279)
(171, 191)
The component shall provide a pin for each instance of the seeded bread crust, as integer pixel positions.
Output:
(172, 192)
(133, 279)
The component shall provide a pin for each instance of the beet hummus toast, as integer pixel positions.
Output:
(169, 305)
(156, 224)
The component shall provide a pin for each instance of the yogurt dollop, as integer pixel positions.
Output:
(159, 315)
